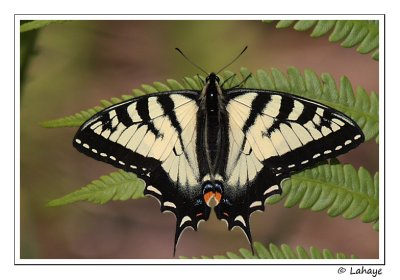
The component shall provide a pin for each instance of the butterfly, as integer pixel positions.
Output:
(215, 148)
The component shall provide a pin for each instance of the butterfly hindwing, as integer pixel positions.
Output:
(272, 135)
(153, 136)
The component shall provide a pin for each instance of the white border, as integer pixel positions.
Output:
(17, 185)
(18, 260)
(382, 121)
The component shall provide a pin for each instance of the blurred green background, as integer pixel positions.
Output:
(77, 63)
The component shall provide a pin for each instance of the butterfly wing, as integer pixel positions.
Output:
(271, 135)
(153, 136)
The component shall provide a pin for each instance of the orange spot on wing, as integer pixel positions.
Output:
(207, 196)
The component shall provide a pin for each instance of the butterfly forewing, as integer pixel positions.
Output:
(288, 133)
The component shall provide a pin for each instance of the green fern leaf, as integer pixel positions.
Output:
(361, 107)
(303, 25)
(75, 120)
(364, 33)
(175, 85)
(36, 24)
(338, 189)
(284, 23)
(284, 251)
(119, 185)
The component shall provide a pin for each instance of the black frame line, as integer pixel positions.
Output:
(224, 264)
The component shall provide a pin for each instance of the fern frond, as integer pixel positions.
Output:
(364, 33)
(361, 108)
(75, 120)
(279, 252)
(36, 24)
(119, 185)
(340, 189)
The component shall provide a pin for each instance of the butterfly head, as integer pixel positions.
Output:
(212, 78)
(212, 193)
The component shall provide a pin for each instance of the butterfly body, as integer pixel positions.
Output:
(226, 149)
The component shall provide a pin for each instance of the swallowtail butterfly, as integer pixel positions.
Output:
(226, 149)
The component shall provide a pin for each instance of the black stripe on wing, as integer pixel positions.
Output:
(95, 137)
(322, 132)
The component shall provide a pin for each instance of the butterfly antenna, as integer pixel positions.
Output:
(245, 48)
(191, 62)
(230, 78)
